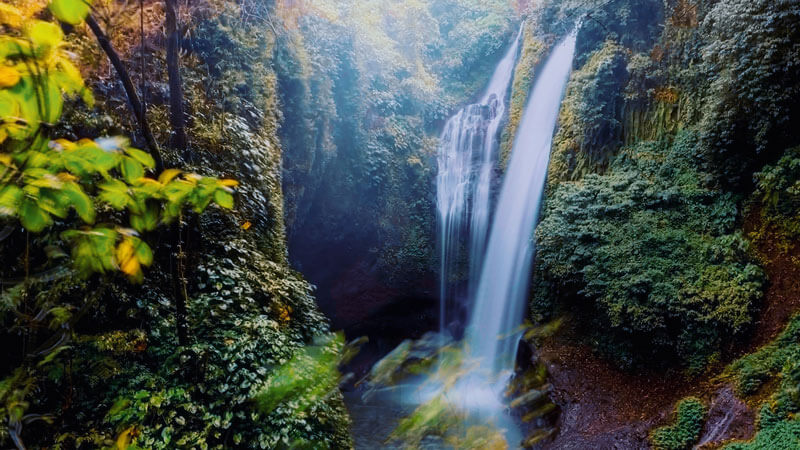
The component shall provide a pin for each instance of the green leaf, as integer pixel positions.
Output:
(53, 102)
(10, 197)
(44, 36)
(25, 95)
(141, 156)
(223, 199)
(53, 202)
(177, 189)
(8, 105)
(70, 11)
(115, 193)
(32, 217)
(100, 159)
(143, 253)
(146, 221)
(81, 202)
(131, 169)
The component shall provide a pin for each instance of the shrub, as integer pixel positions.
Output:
(751, 105)
(778, 426)
(778, 190)
(690, 416)
(651, 254)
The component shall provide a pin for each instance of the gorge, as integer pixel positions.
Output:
(433, 224)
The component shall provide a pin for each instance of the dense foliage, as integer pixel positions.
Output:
(589, 131)
(690, 414)
(653, 253)
(778, 194)
(751, 104)
(198, 354)
(776, 365)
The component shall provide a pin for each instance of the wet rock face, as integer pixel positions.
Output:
(728, 418)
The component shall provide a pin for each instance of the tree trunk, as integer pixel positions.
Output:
(176, 117)
(130, 91)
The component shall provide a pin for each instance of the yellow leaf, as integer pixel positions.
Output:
(228, 183)
(284, 312)
(8, 76)
(124, 439)
(62, 144)
(132, 268)
(66, 176)
(167, 175)
(126, 258)
(246, 226)
(10, 16)
(148, 181)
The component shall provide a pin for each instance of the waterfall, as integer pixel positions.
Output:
(499, 302)
(465, 160)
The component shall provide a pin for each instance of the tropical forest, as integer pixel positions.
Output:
(400, 224)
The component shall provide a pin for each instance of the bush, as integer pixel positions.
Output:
(778, 426)
(778, 189)
(751, 105)
(690, 416)
(651, 254)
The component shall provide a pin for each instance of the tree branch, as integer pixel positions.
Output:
(176, 118)
(130, 91)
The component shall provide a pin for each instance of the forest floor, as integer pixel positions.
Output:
(605, 407)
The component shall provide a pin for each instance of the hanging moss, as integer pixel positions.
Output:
(530, 56)
(589, 129)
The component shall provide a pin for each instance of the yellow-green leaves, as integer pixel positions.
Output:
(45, 37)
(32, 216)
(131, 254)
(141, 157)
(43, 181)
(70, 11)
(9, 76)
(35, 74)
(105, 249)
(93, 250)
(10, 16)
(10, 198)
(223, 199)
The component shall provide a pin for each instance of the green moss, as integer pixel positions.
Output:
(683, 433)
(589, 130)
(530, 56)
(775, 365)
(651, 255)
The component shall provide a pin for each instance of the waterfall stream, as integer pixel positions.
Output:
(500, 256)
(466, 160)
(505, 258)
(499, 302)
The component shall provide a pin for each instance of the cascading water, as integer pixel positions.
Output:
(499, 303)
(465, 159)
(465, 167)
